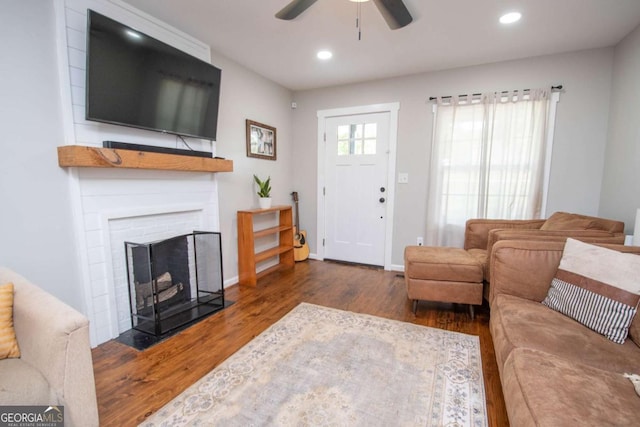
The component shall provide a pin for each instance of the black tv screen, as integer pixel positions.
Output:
(138, 81)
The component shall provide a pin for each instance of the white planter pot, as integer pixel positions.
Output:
(265, 202)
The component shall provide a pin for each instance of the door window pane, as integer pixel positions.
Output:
(343, 147)
(369, 146)
(370, 130)
(357, 139)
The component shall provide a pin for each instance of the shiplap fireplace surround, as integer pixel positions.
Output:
(114, 204)
(136, 206)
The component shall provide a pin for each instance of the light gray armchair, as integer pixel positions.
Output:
(55, 367)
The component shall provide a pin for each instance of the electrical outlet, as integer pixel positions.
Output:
(420, 241)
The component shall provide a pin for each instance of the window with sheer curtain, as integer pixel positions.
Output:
(489, 160)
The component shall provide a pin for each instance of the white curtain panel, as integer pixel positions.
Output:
(487, 161)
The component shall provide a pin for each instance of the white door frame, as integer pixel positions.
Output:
(392, 109)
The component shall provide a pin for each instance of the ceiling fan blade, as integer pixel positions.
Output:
(394, 12)
(293, 9)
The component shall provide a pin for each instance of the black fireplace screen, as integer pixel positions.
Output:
(175, 281)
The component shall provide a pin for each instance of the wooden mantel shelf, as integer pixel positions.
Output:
(97, 157)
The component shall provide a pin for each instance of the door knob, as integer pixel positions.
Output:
(382, 189)
(381, 199)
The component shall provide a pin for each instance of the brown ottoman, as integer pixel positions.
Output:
(442, 274)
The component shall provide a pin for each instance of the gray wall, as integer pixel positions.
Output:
(246, 95)
(36, 229)
(621, 184)
(579, 146)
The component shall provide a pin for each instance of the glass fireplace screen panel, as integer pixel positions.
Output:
(209, 273)
(168, 276)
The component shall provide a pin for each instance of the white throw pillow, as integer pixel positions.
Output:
(597, 287)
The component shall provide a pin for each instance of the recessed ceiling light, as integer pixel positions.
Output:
(324, 54)
(510, 18)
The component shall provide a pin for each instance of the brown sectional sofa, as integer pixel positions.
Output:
(554, 371)
(482, 234)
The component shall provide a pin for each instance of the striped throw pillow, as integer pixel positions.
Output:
(8, 342)
(597, 287)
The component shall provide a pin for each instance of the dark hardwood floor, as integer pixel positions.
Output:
(131, 384)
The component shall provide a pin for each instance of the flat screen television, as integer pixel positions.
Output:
(138, 81)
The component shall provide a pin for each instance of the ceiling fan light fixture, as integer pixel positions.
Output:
(510, 18)
(324, 54)
(394, 12)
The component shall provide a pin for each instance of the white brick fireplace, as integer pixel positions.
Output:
(140, 207)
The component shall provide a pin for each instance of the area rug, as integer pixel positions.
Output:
(320, 366)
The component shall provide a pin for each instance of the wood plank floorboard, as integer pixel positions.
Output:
(133, 384)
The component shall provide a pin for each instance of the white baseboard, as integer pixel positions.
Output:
(397, 267)
(232, 281)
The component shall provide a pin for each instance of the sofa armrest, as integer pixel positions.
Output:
(476, 232)
(54, 339)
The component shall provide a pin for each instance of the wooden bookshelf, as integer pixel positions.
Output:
(247, 256)
(97, 157)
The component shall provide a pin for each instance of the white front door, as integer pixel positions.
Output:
(356, 191)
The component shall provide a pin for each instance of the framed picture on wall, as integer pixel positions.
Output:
(261, 140)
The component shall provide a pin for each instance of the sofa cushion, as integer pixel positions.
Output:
(521, 323)
(22, 384)
(570, 221)
(441, 264)
(8, 342)
(546, 390)
(598, 287)
(480, 255)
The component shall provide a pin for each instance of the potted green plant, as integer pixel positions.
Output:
(264, 192)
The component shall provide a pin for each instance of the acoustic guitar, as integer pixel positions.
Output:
(300, 245)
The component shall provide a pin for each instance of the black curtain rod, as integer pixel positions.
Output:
(431, 98)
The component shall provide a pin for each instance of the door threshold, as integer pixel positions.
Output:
(355, 264)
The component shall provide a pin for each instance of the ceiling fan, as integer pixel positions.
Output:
(393, 11)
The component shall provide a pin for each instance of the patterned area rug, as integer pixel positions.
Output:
(321, 366)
